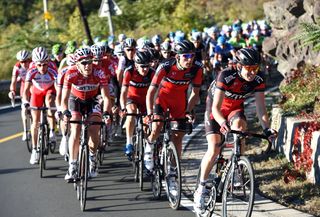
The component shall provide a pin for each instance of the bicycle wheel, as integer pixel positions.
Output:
(238, 191)
(28, 133)
(52, 146)
(141, 161)
(157, 177)
(103, 144)
(83, 175)
(41, 143)
(172, 176)
(135, 158)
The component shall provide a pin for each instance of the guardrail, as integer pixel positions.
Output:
(5, 85)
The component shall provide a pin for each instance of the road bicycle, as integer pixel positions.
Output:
(81, 182)
(167, 165)
(231, 179)
(104, 143)
(43, 142)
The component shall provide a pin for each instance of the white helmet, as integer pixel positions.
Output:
(39, 54)
(23, 55)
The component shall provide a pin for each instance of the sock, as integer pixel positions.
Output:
(202, 186)
(129, 140)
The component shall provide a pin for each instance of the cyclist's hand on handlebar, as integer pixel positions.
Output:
(148, 119)
(190, 117)
(58, 115)
(115, 109)
(26, 105)
(123, 113)
(270, 133)
(11, 94)
(224, 128)
(106, 117)
(66, 115)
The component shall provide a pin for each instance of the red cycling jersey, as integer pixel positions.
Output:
(236, 90)
(173, 83)
(110, 65)
(60, 79)
(20, 74)
(82, 87)
(138, 86)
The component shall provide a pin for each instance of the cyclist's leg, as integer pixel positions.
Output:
(50, 102)
(130, 125)
(238, 121)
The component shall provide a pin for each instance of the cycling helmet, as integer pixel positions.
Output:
(196, 36)
(23, 55)
(56, 49)
(165, 46)
(122, 37)
(104, 46)
(156, 40)
(71, 44)
(70, 60)
(142, 57)
(70, 50)
(96, 51)
(247, 56)
(221, 40)
(130, 43)
(255, 32)
(184, 46)
(82, 53)
(154, 55)
(118, 49)
(39, 54)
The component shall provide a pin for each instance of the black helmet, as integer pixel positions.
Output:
(154, 55)
(165, 46)
(247, 56)
(184, 46)
(142, 57)
(130, 42)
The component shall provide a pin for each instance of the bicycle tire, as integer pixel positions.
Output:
(52, 146)
(171, 155)
(83, 182)
(141, 161)
(102, 145)
(41, 141)
(28, 134)
(135, 158)
(244, 203)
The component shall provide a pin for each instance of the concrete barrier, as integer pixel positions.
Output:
(314, 175)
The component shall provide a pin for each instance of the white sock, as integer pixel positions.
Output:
(129, 140)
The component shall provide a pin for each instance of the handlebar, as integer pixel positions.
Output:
(88, 123)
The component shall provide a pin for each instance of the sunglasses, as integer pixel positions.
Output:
(97, 60)
(86, 62)
(25, 61)
(254, 68)
(42, 64)
(188, 55)
(144, 65)
(130, 49)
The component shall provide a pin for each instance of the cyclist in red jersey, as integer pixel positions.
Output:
(169, 89)
(82, 83)
(40, 81)
(135, 85)
(19, 73)
(59, 86)
(225, 109)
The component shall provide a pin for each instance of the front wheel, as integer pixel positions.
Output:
(28, 134)
(172, 176)
(238, 191)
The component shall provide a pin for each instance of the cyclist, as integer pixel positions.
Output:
(57, 53)
(165, 51)
(19, 73)
(223, 53)
(156, 41)
(40, 81)
(135, 85)
(225, 109)
(168, 91)
(125, 61)
(81, 85)
(63, 148)
(70, 49)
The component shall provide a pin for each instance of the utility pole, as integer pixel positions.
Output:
(85, 22)
(108, 8)
(46, 17)
(109, 19)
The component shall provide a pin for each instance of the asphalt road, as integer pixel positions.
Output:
(113, 193)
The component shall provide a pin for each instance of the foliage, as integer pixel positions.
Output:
(300, 90)
(23, 24)
(310, 34)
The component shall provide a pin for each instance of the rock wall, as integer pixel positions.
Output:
(285, 18)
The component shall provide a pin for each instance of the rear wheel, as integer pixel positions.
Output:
(141, 162)
(28, 133)
(238, 192)
(172, 176)
(42, 143)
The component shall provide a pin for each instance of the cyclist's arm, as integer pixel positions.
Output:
(123, 97)
(261, 110)
(26, 91)
(193, 98)
(216, 105)
(65, 97)
(150, 98)
(106, 98)
(13, 83)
